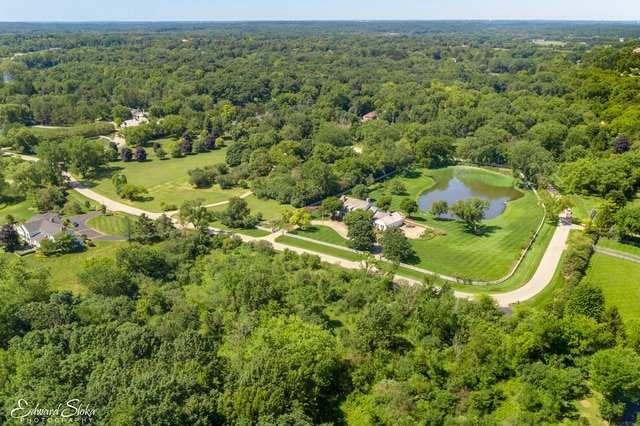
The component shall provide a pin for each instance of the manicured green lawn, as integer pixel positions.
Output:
(112, 224)
(257, 233)
(64, 269)
(21, 211)
(619, 281)
(319, 248)
(618, 246)
(166, 180)
(461, 253)
(322, 233)
(269, 208)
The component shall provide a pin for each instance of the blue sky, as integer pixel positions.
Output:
(234, 10)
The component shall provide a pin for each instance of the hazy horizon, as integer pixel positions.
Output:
(68, 11)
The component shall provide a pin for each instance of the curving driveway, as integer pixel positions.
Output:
(536, 284)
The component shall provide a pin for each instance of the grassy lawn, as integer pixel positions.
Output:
(112, 224)
(166, 180)
(322, 233)
(619, 281)
(269, 208)
(257, 233)
(64, 268)
(485, 257)
(319, 248)
(21, 211)
(461, 253)
(618, 246)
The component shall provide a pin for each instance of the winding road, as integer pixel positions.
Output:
(536, 284)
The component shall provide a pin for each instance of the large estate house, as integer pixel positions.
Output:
(41, 226)
(380, 219)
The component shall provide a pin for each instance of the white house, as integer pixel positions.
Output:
(41, 226)
(381, 219)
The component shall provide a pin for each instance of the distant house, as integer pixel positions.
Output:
(380, 219)
(41, 226)
(636, 50)
(138, 118)
(370, 116)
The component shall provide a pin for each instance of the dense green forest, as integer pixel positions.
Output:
(183, 327)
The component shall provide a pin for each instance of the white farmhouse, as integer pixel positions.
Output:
(41, 226)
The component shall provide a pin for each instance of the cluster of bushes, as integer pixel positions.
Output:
(207, 176)
(579, 249)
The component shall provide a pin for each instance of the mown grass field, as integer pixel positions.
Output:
(319, 248)
(322, 233)
(20, 211)
(64, 269)
(461, 253)
(269, 208)
(619, 281)
(619, 247)
(166, 180)
(112, 224)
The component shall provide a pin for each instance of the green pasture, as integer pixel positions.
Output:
(619, 281)
(463, 254)
(112, 224)
(269, 208)
(319, 248)
(21, 211)
(322, 233)
(64, 268)
(617, 246)
(166, 180)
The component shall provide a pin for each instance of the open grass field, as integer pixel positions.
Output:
(619, 281)
(21, 211)
(319, 248)
(112, 224)
(64, 268)
(166, 180)
(322, 233)
(257, 233)
(460, 253)
(619, 247)
(269, 208)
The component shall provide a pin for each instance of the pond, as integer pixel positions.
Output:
(453, 184)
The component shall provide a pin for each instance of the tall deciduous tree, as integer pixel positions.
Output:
(361, 234)
(409, 206)
(396, 245)
(85, 155)
(194, 212)
(9, 238)
(439, 207)
(470, 210)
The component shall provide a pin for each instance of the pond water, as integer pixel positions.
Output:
(459, 183)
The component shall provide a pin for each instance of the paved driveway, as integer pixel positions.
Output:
(91, 233)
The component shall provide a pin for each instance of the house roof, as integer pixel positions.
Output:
(391, 219)
(371, 114)
(44, 223)
(356, 203)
